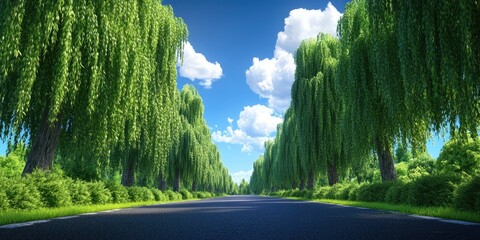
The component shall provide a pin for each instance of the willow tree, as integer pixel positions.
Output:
(71, 68)
(287, 166)
(257, 180)
(367, 123)
(439, 52)
(317, 107)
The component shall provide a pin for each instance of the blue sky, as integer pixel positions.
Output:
(238, 57)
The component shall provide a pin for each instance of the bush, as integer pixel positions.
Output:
(321, 192)
(22, 194)
(53, 188)
(353, 193)
(98, 193)
(185, 194)
(467, 196)
(433, 190)
(204, 195)
(173, 196)
(394, 193)
(374, 192)
(118, 191)
(159, 196)
(4, 205)
(79, 192)
(140, 194)
(343, 191)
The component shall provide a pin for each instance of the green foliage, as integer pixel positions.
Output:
(53, 187)
(461, 157)
(99, 193)
(21, 194)
(397, 193)
(204, 195)
(159, 196)
(185, 194)
(433, 190)
(467, 196)
(119, 192)
(12, 165)
(374, 192)
(173, 196)
(402, 153)
(79, 192)
(243, 188)
(140, 194)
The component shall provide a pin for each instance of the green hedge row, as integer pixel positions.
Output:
(40, 189)
(432, 190)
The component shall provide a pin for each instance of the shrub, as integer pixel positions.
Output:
(204, 195)
(173, 196)
(321, 192)
(3, 200)
(98, 193)
(140, 194)
(467, 196)
(353, 193)
(374, 192)
(394, 193)
(331, 190)
(436, 190)
(22, 194)
(343, 191)
(185, 194)
(53, 188)
(118, 191)
(79, 192)
(159, 196)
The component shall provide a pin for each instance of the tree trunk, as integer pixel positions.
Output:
(128, 176)
(311, 180)
(332, 174)
(302, 184)
(44, 143)
(385, 161)
(194, 186)
(162, 184)
(176, 181)
(294, 185)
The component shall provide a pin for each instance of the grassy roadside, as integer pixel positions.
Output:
(440, 212)
(18, 216)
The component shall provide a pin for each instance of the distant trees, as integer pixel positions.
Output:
(398, 71)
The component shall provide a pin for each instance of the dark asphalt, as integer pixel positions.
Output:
(244, 217)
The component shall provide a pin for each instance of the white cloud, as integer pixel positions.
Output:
(238, 176)
(256, 124)
(272, 78)
(230, 120)
(258, 120)
(195, 66)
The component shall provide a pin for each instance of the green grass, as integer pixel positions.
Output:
(18, 216)
(441, 212)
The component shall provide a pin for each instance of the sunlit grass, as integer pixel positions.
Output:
(18, 216)
(441, 212)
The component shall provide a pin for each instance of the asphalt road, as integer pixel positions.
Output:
(244, 217)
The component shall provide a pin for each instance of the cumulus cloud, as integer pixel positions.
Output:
(258, 121)
(238, 176)
(195, 66)
(272, 78)
(256, 124)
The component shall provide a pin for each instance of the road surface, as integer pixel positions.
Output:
(243, 217)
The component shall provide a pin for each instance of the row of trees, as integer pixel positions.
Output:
(398, 71)
(92, 85)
